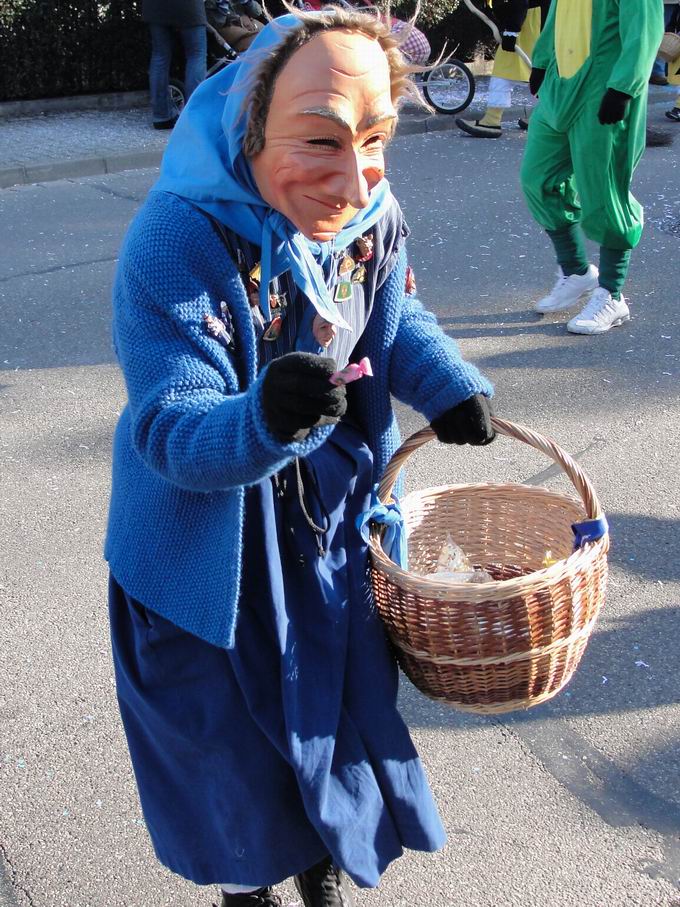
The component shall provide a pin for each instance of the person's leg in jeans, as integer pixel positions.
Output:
(195, 49)
(159, 72)
(659, 68)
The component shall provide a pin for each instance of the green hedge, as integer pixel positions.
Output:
(53, 49)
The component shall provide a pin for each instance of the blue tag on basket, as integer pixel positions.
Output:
(589, 531)
(388, 515)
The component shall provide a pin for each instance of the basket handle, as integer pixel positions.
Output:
(574, 472)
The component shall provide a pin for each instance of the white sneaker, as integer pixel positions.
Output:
(601, 313)
(568, 290)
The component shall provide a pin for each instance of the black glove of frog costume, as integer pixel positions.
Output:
(297, 395)
(613, 107)
(467, 423)
(536, 80)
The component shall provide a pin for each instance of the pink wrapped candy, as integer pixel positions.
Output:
(352, 372)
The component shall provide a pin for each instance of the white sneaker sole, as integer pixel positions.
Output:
(563, 306)
(599, 330)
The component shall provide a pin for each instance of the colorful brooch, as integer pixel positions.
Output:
(364, 246)
(410, 287)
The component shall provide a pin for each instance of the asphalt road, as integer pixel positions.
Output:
(574, 803)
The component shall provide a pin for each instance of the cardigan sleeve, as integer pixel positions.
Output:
(189, 421)
(427, 370)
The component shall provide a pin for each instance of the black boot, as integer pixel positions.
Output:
(263, 897)
(324, 885)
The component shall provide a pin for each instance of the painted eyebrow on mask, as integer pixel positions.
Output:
(335, 117)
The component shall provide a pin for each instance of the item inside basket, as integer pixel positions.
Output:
(454, 565)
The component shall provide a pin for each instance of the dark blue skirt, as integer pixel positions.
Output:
(253, 764)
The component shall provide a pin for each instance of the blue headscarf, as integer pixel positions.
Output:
(205, 164)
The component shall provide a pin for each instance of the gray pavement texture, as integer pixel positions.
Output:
(76, 143)
(576, 802)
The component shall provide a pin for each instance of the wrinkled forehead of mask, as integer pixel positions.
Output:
(340, 67)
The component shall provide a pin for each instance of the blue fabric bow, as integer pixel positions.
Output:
(589, 531)
(205, 164)
(389, 515)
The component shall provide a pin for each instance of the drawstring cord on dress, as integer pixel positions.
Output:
(318, 531)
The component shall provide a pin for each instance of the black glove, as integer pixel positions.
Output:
(613, 107)
(467, 423)
(536, 80)
(297, 395)
(508, 43)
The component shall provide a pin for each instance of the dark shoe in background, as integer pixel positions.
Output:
(674, 114)
(478, 130)
(324, 885)
(263, 897)
(655, 79)
(165, 124)
(523, 123)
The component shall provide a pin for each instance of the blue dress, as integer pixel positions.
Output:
(255, 763)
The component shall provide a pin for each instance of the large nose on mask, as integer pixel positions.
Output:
(350, 183)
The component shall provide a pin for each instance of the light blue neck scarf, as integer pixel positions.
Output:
(205, 164)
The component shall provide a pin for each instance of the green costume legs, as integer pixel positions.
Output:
(570, 249)
(600, 160)
(614, 265)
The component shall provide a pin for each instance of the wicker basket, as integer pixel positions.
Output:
(670, 47)
(503, 645)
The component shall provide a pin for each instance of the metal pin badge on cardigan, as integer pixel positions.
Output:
(273, 332)
(410, 286)
(217, 329)
(364, 246)
(359, 275)
(277, 302)
(347, 265)
(343, 290)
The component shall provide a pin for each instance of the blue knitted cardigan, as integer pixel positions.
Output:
(193, 436)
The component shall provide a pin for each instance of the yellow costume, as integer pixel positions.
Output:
(510, 65)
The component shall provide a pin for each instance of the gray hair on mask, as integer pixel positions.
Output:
(365, 22)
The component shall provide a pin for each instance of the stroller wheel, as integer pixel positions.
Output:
(177, 97)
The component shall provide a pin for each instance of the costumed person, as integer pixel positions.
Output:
(591, 69)
(520, 22)
(256, 687)
(167, 19)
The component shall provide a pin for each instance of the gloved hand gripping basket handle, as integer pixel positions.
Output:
(516, 640)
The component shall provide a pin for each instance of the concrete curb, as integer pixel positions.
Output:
(116, 101)
(23, 175)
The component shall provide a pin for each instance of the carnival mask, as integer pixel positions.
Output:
(330, 117)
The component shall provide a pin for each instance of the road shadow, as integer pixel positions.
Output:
(632, 663)
(645, 545)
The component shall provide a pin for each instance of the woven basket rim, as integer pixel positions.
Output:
(493, 591)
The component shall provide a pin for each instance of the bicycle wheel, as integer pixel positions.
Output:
(449, 87)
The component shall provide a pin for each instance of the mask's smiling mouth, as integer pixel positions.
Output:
(337, 207)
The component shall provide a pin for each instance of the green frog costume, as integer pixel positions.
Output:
(592, 63)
